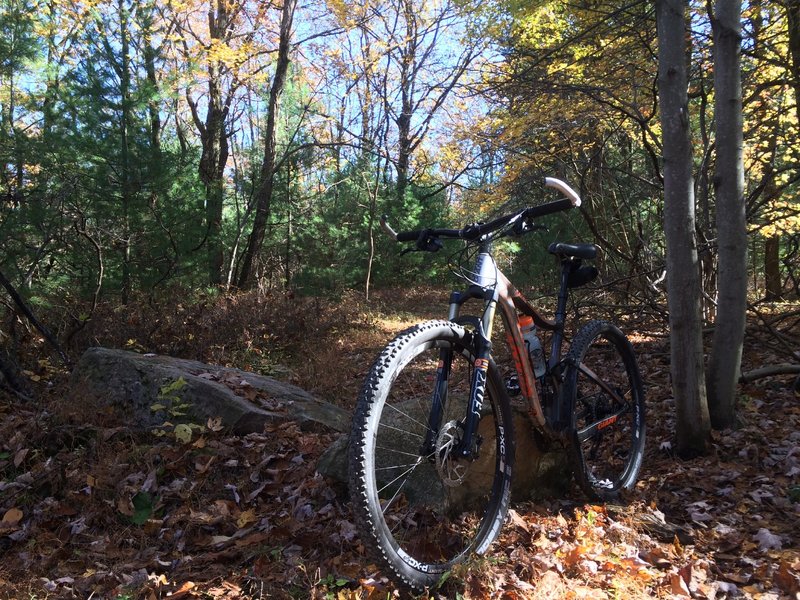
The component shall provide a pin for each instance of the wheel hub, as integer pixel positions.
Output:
(452, 469)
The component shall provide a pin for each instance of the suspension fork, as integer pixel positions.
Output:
(483, 350)
(485, 289)
(438, 401)
(477, 394)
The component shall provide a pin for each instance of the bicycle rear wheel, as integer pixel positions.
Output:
(420, 509)
(605, 394)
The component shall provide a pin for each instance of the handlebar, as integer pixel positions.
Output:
(424, 237)
(562, 187)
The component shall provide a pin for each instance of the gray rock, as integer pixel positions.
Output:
(538, 472)
(133, 384)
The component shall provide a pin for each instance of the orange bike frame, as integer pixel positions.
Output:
(511, 302)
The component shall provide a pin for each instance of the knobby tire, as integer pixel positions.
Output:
(419, 513)
(604, 391)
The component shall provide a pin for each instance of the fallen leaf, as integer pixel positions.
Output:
(517, 520)
(740, 578)
(11, 518)
(183, 433)
(247, 517)
(220, 539)
(767, 540)
(142, 508)
(678, 585)
(185, 591)
(19, 457)
(787, 579)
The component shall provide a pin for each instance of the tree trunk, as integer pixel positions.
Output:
(726, 351)
(772, 268)
(683, 274)
(263, 197)
(408, 59)
(287, 279)
(214, 142)
(125, 169)
(793, 21)
(215, 157)
(150, 52)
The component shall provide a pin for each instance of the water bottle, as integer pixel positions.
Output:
(535, 350)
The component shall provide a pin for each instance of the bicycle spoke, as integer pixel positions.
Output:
(412, 419)
(426, 512)
(404, 431)
(401, 485)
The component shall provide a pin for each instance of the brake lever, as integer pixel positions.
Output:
(428, 243)
(425, 243)
(521, 227)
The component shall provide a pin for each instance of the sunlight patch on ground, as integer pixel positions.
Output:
(394, 324)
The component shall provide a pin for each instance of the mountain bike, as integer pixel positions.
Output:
(432, 441)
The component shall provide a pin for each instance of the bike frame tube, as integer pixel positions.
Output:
(509, 300)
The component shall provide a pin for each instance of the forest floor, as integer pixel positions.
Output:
(94, 511)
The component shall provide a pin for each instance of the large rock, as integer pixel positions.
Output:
(147, 390)
(539, 472)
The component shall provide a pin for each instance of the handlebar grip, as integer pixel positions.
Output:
(549, 208)
(408, 236)
(402, 236)
(564, 188)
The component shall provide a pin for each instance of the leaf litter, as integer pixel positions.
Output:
(113, 513)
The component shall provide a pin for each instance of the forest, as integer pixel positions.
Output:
(205, 179)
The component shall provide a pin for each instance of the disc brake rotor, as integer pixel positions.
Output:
(452, 470)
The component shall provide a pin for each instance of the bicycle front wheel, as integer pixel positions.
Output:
(419, 508)
(604, 390)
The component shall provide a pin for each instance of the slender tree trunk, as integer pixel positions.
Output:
(772, 268)
(51, 84)
(793, 22)
(125, 170)
(214, 142)
(772, 245)
(726, 351)
(408, 59)
(705, 229)
(263, 197)
(152, 81)
(288, 248)
(214, 159)
(683, 275)
(19, 145)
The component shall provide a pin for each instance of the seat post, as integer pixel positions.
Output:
(561, 314)
(563, 292)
